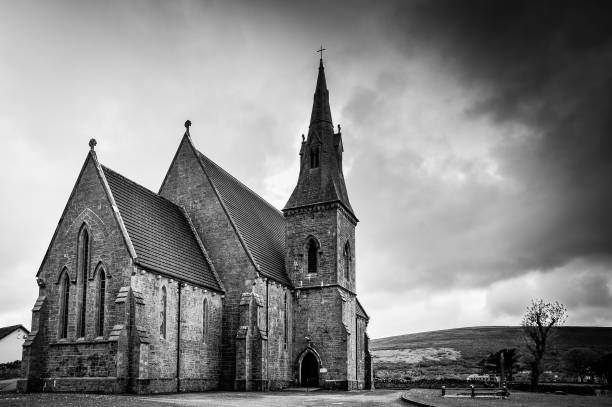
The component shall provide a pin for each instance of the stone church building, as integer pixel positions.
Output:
(203, 285)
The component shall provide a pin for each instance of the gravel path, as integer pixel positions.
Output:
(210, 399)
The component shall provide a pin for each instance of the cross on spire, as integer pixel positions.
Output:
(320, 51)
(327, 183)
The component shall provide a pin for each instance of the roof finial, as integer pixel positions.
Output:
(320, 51)
(187, 125)
(92, 144)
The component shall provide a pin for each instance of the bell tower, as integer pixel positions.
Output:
(320, 232)
(320, 242)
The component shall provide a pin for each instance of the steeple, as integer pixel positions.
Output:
(321, 179)
(321, 113)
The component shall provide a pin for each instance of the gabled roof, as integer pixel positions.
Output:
(360, 311)
(259, 225)
(160, 232)
(7, 330)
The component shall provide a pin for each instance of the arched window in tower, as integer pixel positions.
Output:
(162, 313)
(101, 301)
(204, 319)
(83, 270)
(314, 157)
(64, 299)
(346, 255)
(312, 256)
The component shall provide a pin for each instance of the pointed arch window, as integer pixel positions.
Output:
(346, 255)
(101, 301)
(83, 254)
(312, 256)
(64, 298)
(162, 313)
(204, 319)
(314, 157)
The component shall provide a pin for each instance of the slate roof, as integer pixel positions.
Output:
(360, 311)
(160, 232)
(7, 330)
(260, 225)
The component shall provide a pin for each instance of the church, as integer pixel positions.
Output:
(203, 285)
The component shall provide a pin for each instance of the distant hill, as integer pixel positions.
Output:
(456, 352)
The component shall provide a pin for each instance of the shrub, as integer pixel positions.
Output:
(583, 390)
(10, 370)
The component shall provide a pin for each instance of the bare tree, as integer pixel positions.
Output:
(538, 323)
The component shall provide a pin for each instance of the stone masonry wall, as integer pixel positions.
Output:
(325, 311)
(279, 358)
(187, 185)
(92, 355)
(300, 226)
(361, 349)
(348, 320)
(318, 315)
(93, 359)
(199, 355)
(345, 232)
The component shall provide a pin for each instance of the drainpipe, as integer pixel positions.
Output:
(267, 335)
(356, 354)
(178, 341)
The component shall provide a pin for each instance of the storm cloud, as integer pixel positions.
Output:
(546, 66)
(477, 135)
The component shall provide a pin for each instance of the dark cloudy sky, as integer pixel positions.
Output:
(477, 134)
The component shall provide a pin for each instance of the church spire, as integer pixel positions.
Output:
(321, 179)
(321, 113)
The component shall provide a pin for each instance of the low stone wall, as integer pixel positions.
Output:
(569, 388)
(394, 386)
(422, 384)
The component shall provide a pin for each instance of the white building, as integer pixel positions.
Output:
(11, 341)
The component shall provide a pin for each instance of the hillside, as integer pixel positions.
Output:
(456, 352)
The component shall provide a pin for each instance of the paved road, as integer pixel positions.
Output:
(8, 385)
(210, 399)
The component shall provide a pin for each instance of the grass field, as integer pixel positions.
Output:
(455, 353)
(432, 397)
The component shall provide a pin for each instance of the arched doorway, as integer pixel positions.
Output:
(309, 370)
